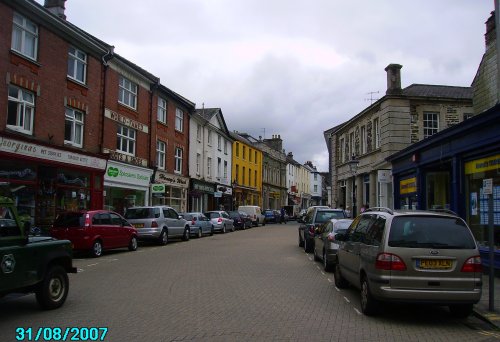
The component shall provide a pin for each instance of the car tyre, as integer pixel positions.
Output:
(51, 293)
(307, 245)
(326, 265)
(200, 233)
(232, 228)
(461, 310)
(185, 236)
(301, 242)
(163, 239)
(368, 303)
(132, 246)
(212, 231)
(223, 229)
(340, 281)
(96, 250)
(316, 257)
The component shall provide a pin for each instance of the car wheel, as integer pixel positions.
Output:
(326, 265)
(307, 245)
(163, 239)
(185, 236)
(232, 228)
(212, 231)
(316, 257)
(224, 229)
(340, 281)
(461, 310)
(132, 246)
(96, 250)
(200, 233)
(368, 303)
(51, 293)
(301, 242)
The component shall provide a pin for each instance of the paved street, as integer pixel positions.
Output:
(252, 285)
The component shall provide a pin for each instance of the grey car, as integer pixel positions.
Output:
(198, 223)
(325, 245)
(220, 220)
(410, 256)
(315, 217)
(160, 223)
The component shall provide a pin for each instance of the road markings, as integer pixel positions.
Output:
(357, 311)
(347, 299)
(90, 265)
(329, 280)
(323, 273)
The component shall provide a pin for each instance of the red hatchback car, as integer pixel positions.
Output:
(95, 231)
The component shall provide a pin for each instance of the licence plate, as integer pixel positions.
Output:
(139, 225)
(434, 264)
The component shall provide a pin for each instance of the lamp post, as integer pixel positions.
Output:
(353, 167)
(235, 184)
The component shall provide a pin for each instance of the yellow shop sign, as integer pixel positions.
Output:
(482, 165)
(408, 186)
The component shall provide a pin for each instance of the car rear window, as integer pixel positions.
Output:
(142, 213)
(187, 216)
(69, 220)
(324, 216)
(430, 232)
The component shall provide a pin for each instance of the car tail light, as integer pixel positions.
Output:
(87, 220)
(154, 224)
(219, 220)
(331, 237)
(473, 264)
(311, 229)
(192, 222)
(389, 262)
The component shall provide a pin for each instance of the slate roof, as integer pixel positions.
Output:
(207, 113)
(438, 91)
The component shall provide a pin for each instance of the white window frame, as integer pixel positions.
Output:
(209, 138)
(24, 36)
(162, 110)
(126, 140)
(225, 169)
(161, 152)
(219, 165)
(25, 110)
(219, 142)
(127, 92)
(75, 123)
(198, 162)
(430, 123)
(376, 132)
(179, 120)
(342, 150)
(351, 144)
(178, 160)
(225, 146)
(198, 132)
(209, 167)
(363, 140)
(77, 65)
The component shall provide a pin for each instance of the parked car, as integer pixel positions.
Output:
(159, 223)
(220, 220)
(95, 231)
(325, 244)
(410, 256)
(241, 220)
(255, 214)
(313, 219)
(271, 216)
(199, 224)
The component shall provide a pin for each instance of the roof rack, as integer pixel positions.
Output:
(385, 209)
(446, 211)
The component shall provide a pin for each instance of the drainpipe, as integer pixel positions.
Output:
(105, 59)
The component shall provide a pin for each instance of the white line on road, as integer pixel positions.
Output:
(323, 273)
(318, 267)
(357, 311)
(90, 265)
(347, 299)
(329, 280)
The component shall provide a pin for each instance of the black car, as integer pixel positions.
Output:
(241, 219)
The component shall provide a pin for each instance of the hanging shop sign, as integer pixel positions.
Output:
(408, 186)
(52, 154)
(384, 176)
(157, 188)
(483, 164)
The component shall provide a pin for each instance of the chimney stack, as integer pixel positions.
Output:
(56, 7)
(393, 79)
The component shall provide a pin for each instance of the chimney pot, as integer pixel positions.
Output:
(393, 79)
(56, 7)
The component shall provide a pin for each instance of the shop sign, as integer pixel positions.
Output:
(177, 181)
(408, 186)
(157, 188)
(217, 194)
(225, 189)
(125, 158)
(41, 152)
(384, 176)
(482, 165)
(125, 121)
(203, 187)
(488, 186)
(129, 175)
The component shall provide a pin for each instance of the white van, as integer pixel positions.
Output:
(255, 213)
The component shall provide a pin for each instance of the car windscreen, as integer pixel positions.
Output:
(67, 220)
(430, 232)
(141, 213)
(325, 215)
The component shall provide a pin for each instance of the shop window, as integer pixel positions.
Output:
(438, 190)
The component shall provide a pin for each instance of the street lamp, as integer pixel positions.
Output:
(353, 167)
(235, 184)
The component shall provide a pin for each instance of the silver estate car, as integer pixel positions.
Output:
(410, 256)
(160, 223)
(198, 223)
(220, 220)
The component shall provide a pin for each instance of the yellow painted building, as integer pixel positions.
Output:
(246, 174)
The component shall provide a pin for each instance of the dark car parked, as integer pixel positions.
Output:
(95, 231)
(271, 216)
(325, 243)
(313, 219)
(241, 219)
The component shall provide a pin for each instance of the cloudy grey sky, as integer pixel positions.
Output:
(290, 67)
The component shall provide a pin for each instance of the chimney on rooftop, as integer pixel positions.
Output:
(56, 7)
(393, 79)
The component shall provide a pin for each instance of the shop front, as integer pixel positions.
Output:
(201, 196)
(408, 193)
(224, 194)
(44, 181)
(125, 186)
(170, 190)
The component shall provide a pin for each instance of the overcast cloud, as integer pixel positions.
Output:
(290, 67)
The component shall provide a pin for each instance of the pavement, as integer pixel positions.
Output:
(482, 309)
